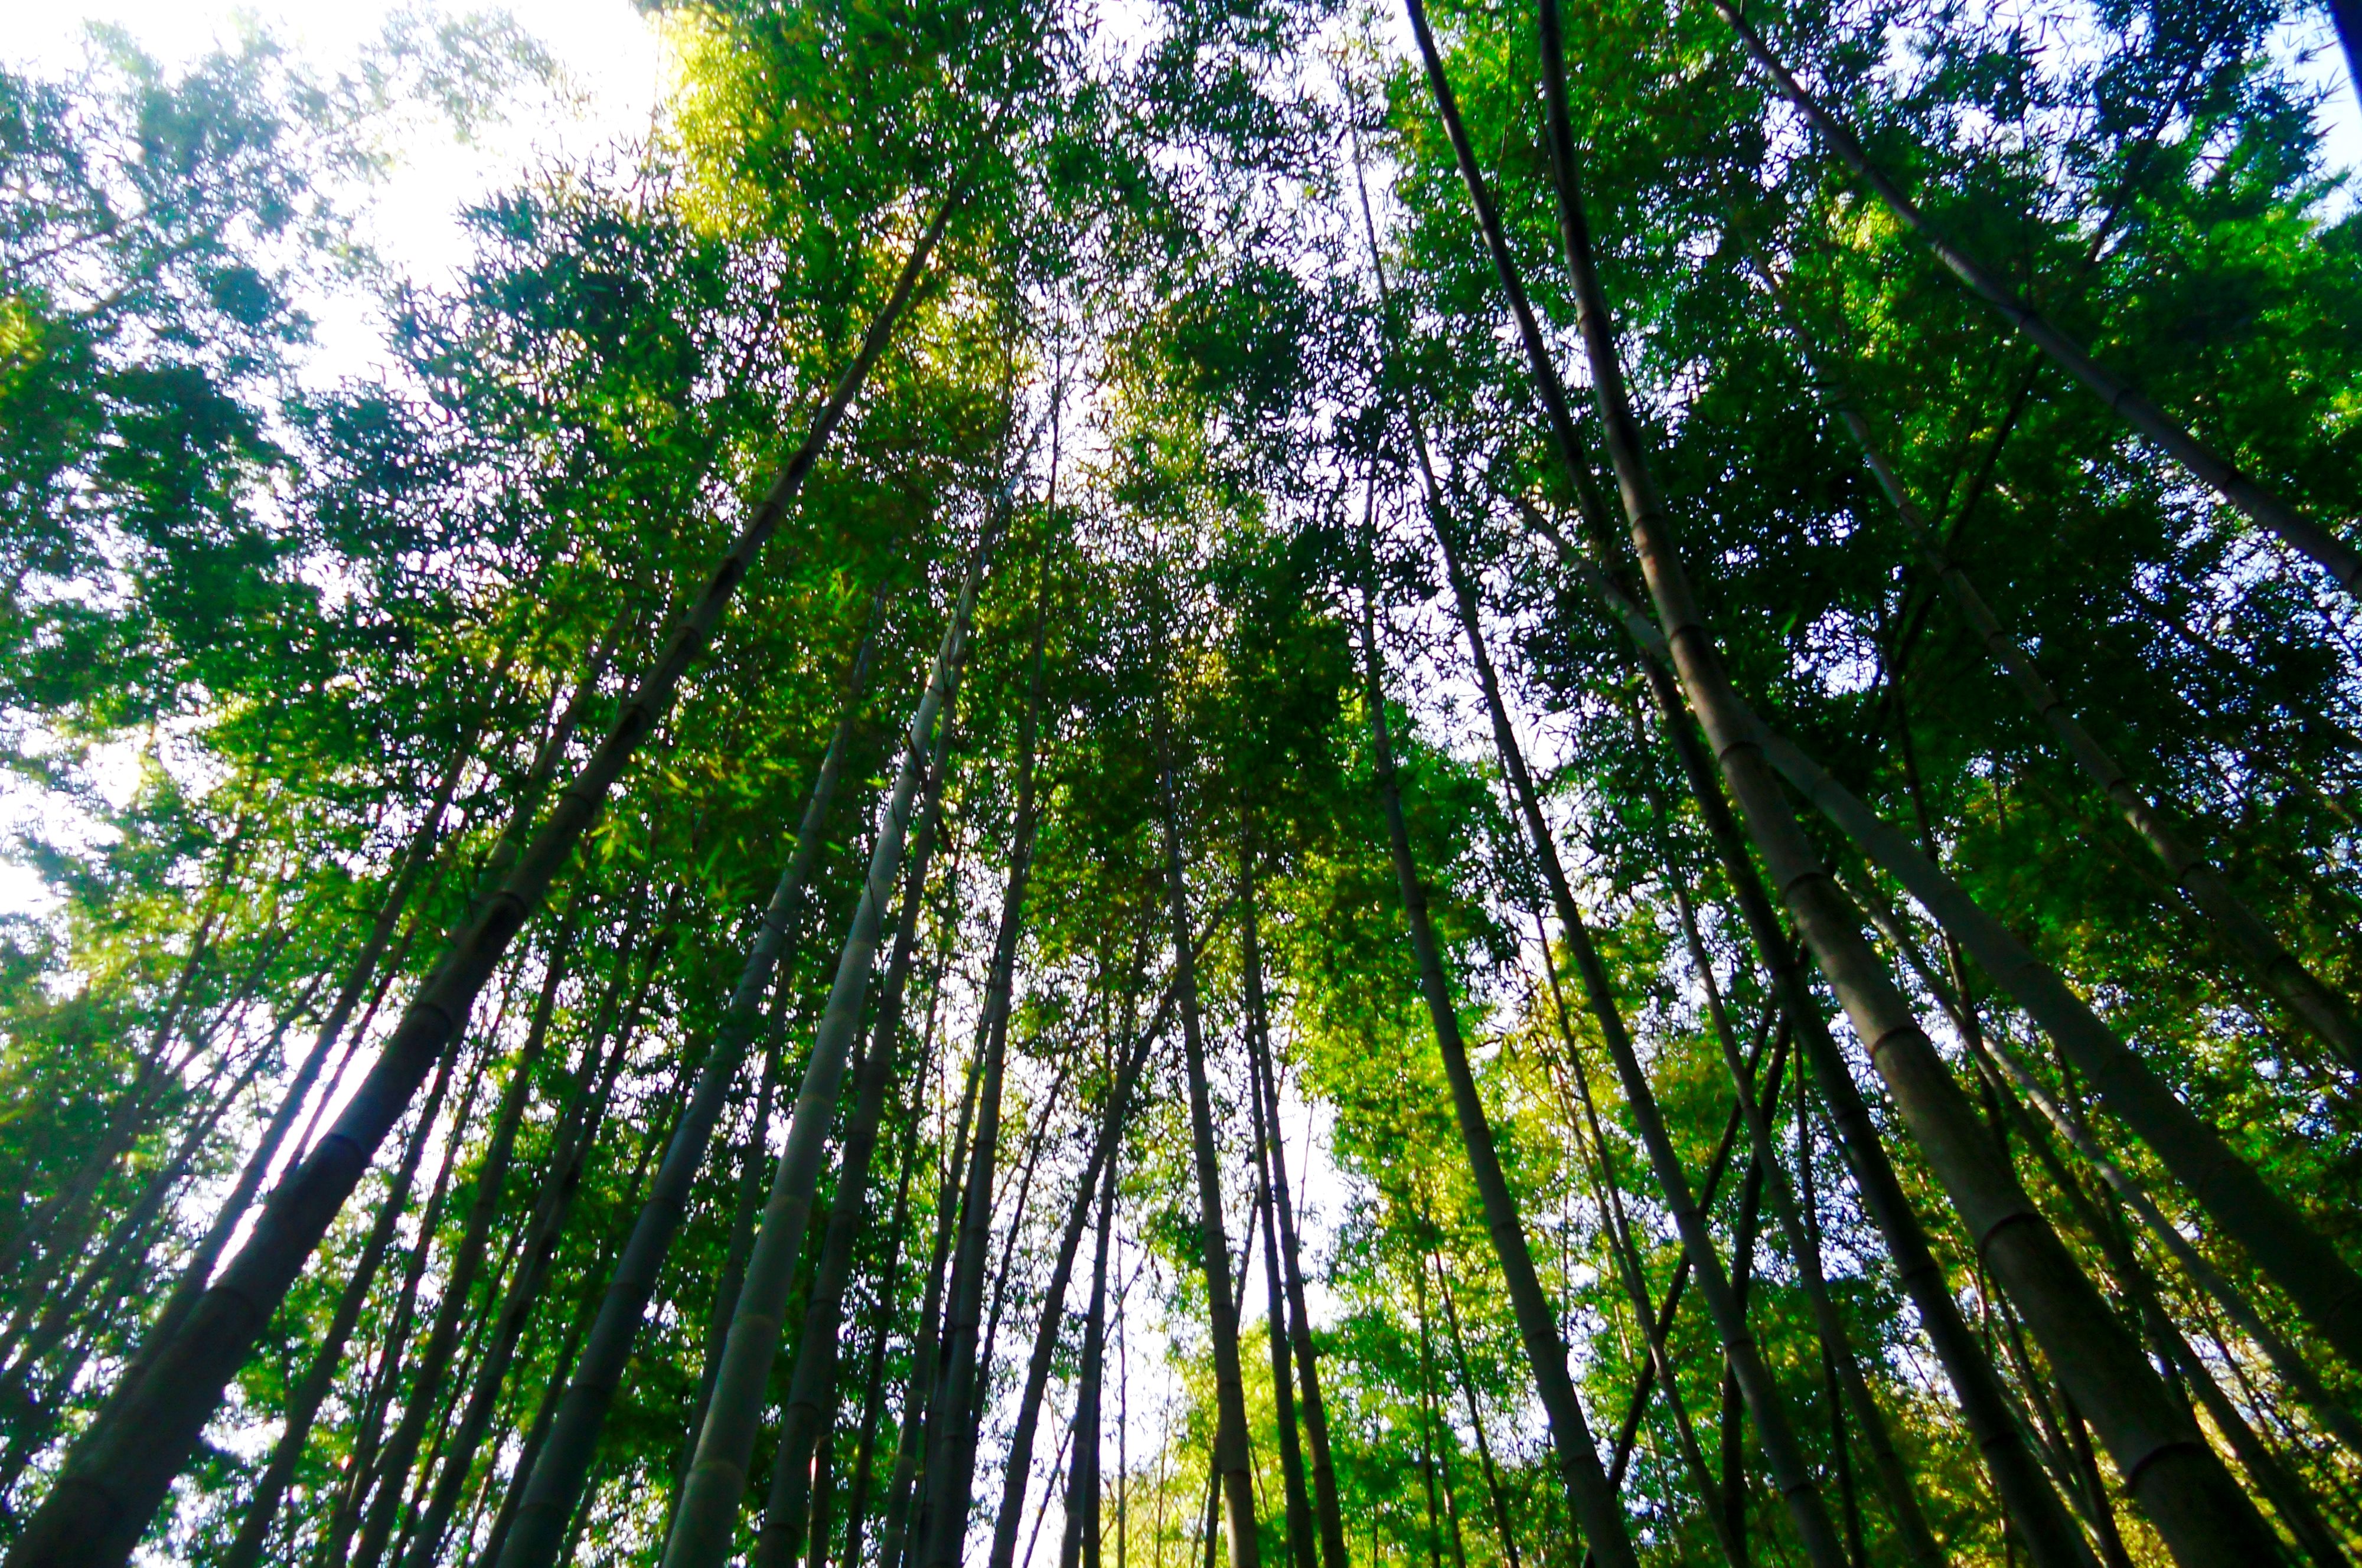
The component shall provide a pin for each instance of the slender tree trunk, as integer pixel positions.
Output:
(304, 1405)
(873, 1404)
(1734, 1403)
(823, 1491)
(2207, 467)
(383, 1383)
(921, 1416)
(1426, 1426)
(552, 1489)
(1328, 1514)
(579, 1121)
(1782, 1450)
(118, 1474)
(1080, 1548)
(1018, 1467)
(704, 1523)
(2201, 1514)
(956, 1407)
(1588, 1492)
(811, 1390)
(1492, 1488)
(1231, 1460)
(456, 1306)
(1298, 1499)
(757, 1144)
(1655, 1324)
(1767, 1178)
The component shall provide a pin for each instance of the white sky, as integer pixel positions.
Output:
(612, 59)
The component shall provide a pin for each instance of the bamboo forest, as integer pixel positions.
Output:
(1192, 784)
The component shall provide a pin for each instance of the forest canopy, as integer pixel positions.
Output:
(1571, 784)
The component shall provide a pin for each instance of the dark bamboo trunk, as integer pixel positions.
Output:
(1231, 1460)
(811, 1389)
(704, 1522)
(1300, 1528)
(920, 1417)
(119, 1475)
(1080, 1546)
(1782, 1451)
(2205, 1518)
(579, 1121)
(1588, 1492)
(1328, 1514)
(303, 1404)
(873, 1407)
(1019, 1466)
(955, 1407)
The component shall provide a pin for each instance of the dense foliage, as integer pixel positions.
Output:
(1172, 965)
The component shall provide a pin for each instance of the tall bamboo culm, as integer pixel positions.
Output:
(2205, 1520)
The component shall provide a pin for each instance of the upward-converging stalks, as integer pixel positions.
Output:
(1233, 1478)
(702, 1524)
(957, 1406)
(1586, 1484)
(2205, 1518)
(812, 1387)
(550, 1490)
(1327, 1512)
(118, 1474)
(1781, 1449)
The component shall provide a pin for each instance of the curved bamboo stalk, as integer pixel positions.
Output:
(1080, 1545)
(1591, 1496)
